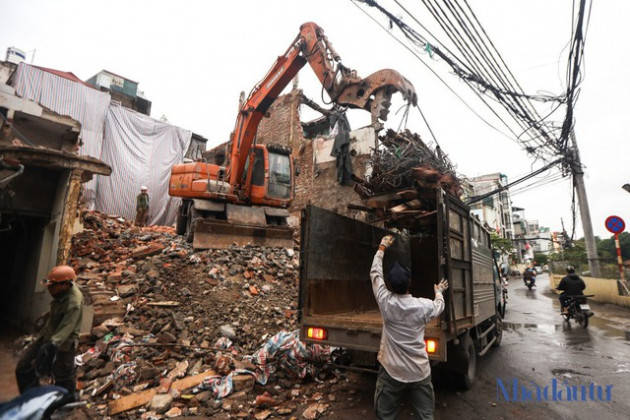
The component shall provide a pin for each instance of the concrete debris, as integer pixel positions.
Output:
(160, 403)
(314, 410)
(227, 331)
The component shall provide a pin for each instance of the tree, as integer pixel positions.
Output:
(540, 258)
(500, 244)
(607, 249)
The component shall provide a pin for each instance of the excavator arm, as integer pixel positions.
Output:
(342, 84)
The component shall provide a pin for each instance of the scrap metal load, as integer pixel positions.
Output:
(405, 171)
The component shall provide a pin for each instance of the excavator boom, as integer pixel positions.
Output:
(342, 84)
(248, 199)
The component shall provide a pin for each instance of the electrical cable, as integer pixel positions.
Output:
(518, 181)
(414, 38)
(541, 138)
(442, 80)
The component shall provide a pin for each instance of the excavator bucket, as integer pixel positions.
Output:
(244, 225)
(374, 93)
(219, 234)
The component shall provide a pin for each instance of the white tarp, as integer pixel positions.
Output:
(141, 151)
(66, 97)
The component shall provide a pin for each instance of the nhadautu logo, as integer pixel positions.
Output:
(514, 390)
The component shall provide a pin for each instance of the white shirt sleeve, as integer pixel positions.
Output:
(438, 307)
(376, 275)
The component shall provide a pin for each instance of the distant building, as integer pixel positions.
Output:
(540, 237)
(122, 90)
(496, 210)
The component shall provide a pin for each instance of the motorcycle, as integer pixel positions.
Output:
(529, 279)
(578, 310)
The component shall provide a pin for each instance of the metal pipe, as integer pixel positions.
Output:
(19, 172)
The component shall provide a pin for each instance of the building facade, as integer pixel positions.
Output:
(122, 90)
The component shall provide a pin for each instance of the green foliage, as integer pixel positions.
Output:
(577, 251)
(503, 245)
(606, 248)
(540, 258)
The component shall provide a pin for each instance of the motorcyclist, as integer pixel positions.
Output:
(570, 285)
(529, 274)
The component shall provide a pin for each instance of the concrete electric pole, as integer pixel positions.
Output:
(585, 214)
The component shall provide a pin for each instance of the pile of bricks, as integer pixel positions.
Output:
(166, 317)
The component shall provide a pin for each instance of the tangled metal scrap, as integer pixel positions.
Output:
(404, 161)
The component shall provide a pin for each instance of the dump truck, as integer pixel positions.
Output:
(247, 199)
(336, 303)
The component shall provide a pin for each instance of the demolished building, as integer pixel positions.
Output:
(40, 182)
(140, 149)
(316, 169)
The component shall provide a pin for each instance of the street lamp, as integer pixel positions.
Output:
(626, 187)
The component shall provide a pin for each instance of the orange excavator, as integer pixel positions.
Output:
(247, 200)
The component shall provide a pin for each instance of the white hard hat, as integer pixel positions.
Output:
(144, 187)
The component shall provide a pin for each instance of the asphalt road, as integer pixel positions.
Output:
(538, 350)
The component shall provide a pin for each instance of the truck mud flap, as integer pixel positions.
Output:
(218, 234)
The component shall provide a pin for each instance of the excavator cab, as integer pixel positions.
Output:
(271, 176)
(280, 176)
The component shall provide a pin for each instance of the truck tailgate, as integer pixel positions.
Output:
(335, 288)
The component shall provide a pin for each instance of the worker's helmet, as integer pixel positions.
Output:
(61, 273)
(570, 269)
(143, 188)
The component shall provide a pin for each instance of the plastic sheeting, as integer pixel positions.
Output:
(141, 151)
(283, 352)
(32, 404)
(65, 97)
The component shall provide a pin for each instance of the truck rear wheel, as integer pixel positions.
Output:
(466, 379)
(498, 330)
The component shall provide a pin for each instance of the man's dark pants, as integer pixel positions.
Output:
(63, 370)
(388, 393)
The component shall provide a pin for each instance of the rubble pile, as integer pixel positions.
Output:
(178, 332)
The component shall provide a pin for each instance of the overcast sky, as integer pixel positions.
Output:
(193, 58)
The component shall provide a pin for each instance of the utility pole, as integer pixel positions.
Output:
(585, 214)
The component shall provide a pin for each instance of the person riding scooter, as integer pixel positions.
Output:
(570, 285)
(529, 275)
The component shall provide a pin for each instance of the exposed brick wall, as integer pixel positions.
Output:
(283, 125)
(317, 185)
(317, 182)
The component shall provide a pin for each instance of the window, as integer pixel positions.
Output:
(279, 176)
(258, 176)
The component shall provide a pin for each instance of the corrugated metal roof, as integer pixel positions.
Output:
(66, 75)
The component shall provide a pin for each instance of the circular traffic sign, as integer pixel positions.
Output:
(615, 224)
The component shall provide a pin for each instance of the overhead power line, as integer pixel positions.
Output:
(511, 184)
(474, 58)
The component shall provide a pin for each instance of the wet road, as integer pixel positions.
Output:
(548, 359)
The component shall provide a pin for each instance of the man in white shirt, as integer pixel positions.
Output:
(402, 354)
